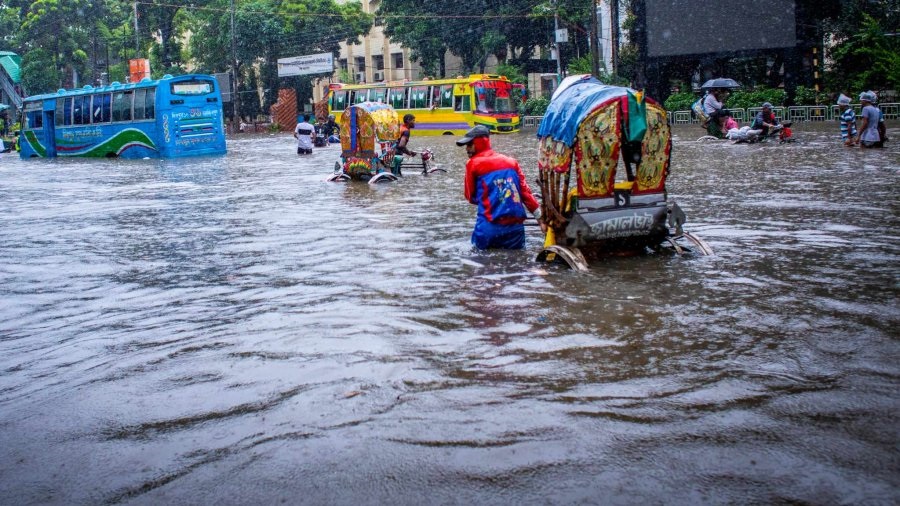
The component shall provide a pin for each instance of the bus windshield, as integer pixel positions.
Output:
(192, 87)
(493, 97)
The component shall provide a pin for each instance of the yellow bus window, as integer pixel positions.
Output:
(397, 98)
(418, 97)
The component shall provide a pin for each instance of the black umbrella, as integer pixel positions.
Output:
(720, 82)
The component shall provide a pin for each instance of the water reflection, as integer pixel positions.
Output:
(238, 329)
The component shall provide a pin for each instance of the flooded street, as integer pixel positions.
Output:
(236, 330)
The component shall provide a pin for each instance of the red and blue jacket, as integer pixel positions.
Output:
(497, 185)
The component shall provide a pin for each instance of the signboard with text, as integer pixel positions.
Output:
(304, 65)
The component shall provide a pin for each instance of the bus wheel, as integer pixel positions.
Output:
(111, 155)
(447, 133)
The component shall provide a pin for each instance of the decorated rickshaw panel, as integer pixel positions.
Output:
(655, 150)
(386, 124)
(597, 145)
(366, 124)
(554, 155)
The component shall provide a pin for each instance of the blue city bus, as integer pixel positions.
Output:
(166, 118)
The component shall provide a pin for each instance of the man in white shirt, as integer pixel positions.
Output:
(868, 136)
(304, 133)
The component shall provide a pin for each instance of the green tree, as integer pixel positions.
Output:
(160, 34)
(429, 28)
(421, 34)
(867, 59)
(39, 72)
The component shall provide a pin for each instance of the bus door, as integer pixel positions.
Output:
(50, 130)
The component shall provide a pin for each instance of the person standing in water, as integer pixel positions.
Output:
(868, 136)
(848, 121)
(304, 133)
(496, 184)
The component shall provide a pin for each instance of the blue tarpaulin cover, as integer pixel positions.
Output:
(569, 108)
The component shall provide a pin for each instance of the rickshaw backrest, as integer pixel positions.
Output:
(590, 124)
(365, 126)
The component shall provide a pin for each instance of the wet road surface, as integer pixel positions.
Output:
(236, 330)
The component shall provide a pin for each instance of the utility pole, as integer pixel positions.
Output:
(614, 35)
(595, 34)
(137, 37)
(556, 41)
(235, 95)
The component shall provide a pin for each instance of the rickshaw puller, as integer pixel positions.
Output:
(497, 185)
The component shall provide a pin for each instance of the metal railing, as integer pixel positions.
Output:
(794, 113)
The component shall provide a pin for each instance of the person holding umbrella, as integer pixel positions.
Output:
(714, 102)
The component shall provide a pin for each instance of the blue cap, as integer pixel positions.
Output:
(767, 104)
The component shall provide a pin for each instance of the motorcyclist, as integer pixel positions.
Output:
(765, 120)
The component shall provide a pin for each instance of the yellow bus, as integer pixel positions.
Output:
(441, 106)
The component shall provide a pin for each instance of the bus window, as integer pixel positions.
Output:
(358, 96)
(338, 100)
(192, 87)
(434, 99)
(397, 98)
(139, 97)
(121, 106)
(446, 97)
(34, 116)
(418, 97)
(493, 97)
(105, 104)
(150, 104)
(60, 111)
(97, 109)
(377, 95)
(77, 116)
(67, 112)
(463, 103)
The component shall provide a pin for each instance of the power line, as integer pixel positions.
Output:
(339, 15)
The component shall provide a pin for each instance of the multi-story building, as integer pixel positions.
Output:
(378, 59)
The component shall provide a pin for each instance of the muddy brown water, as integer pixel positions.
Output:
(235, 330)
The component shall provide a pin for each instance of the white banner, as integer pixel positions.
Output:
(304, 65)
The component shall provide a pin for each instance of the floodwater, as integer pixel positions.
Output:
(235, 330)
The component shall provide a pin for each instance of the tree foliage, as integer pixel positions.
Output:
(430, 28)
(867, 59)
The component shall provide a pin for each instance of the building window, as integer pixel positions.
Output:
(398, 60)
(342, 64)
(360, 63)
(378, 61)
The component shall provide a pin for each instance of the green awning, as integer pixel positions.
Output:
(12, 64)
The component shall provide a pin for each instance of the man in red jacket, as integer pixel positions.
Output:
(496, 184)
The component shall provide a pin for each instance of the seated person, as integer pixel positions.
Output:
(729, 122)
(713, 105)
(743, 135)
(765, 120)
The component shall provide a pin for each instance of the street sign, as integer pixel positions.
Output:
(562, 35)
(322, 63)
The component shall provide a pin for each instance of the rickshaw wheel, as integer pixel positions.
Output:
(697, 245)
(383, 177)
(571, 257)
(338, 178)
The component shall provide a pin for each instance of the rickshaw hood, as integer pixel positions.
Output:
(573, 104)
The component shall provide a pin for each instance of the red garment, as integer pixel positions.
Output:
(404, 132)
(484, 162)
